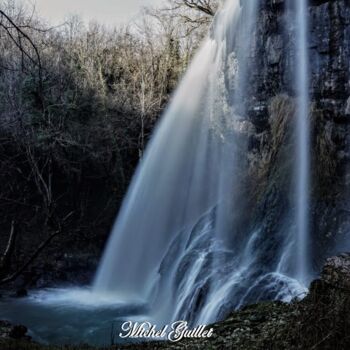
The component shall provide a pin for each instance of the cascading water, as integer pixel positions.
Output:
(296, 259)
(178, 179)
(303, 143)
(176, 245)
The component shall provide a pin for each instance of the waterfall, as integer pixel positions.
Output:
(178, 244)
(178, 179)
(303, 142)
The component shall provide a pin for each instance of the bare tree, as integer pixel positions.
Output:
(26, 46)
(208, 7)
(195, 15)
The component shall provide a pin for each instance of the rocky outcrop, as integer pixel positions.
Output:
(9, 331)
(321, 321)
(336, 271)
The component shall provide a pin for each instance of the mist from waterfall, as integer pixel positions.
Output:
(177, 245)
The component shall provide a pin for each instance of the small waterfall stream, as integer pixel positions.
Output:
(303, 143)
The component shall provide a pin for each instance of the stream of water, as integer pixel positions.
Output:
(303, 143)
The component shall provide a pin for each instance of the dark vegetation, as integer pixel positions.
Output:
(78, 103)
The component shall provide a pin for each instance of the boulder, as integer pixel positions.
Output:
(9, 331)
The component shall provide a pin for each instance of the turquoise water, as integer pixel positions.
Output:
(70, 316)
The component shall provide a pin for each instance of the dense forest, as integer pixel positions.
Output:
(78, 104)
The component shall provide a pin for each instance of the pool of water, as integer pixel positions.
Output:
(72, 316)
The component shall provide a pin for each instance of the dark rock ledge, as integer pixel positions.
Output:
(320, 321)
(9, 331)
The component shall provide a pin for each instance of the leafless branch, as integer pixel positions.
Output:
(206, 6)
(17, 34)
(32, 258)
(6, 258)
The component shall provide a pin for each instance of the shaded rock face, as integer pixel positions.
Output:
(273, 62)
(336, 271)
(272, 70)
(326, 310)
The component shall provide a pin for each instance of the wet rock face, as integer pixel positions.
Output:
(330, 49)
(272, 71)
(273, 61)
(273, 56)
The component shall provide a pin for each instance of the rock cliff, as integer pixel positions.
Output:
(270, 103)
